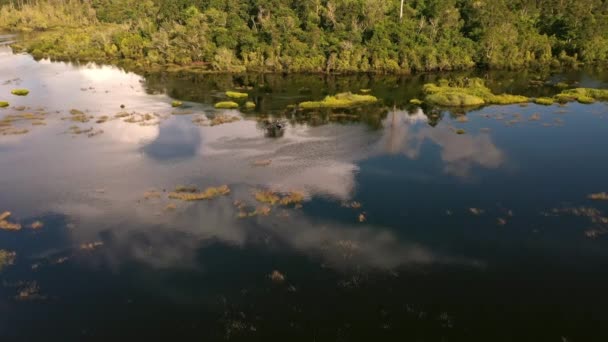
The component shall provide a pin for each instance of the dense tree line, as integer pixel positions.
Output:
(318, 35)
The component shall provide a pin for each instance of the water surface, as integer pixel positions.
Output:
(407, 230)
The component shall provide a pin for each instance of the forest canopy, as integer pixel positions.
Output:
(316, 35)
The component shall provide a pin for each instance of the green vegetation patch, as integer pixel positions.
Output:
(7, 258)
(582, 95)
(3, 104)
(466, 93)
(545, 101)
(416, 102)
(209, 193)
(236, 95)
(176, 103)
(20, 92)
(342, 100)
(250, 105)
(227, 105)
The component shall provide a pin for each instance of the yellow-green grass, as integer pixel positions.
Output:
(416, 102)
(250, 105)
(582, 95)
(176, 103)
(20, 92)
(227, 105)
(342, 100)
(3, 104)
(236, 95)
(545, 101)
(468, 93)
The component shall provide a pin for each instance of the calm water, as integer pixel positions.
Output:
(407, 231)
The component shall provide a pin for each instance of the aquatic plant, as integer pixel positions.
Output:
(4, 104)
(185, 188)
(226, 105)
(267, 196)
(600, 196)
(342, 100)
(561, 85)
(582, 95)
(7, 258)
(224, 119)
(293, 197)
(13, 131)
(20, 92)
(236, 95)
(151, 194)
(460, 131)
(5, 225)
(37, 225)
(545, 101)
(176, 103)
(365, 90)
(277, 276)
(209, 193)
(249, 105)
(466, 93)
(416, 102)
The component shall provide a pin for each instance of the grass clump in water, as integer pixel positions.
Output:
(209, 193)
(582, 95)
(236, 95)
(250, 105)
(227, 105)
(600, 196)
(20, 92)
(342, 100)
(460, 131)
(416, 102)
(545, 101)
(176, 103)
(6, 258)
(466, 93)
(223, 119)
(5, 225)
(3, 104)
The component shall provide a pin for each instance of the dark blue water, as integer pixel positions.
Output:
(407, 231)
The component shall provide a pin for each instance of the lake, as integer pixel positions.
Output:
(373, 223)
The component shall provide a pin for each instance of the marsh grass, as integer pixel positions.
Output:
(249, 105)
(416, 102)
(226, 105)
(176, 103)
(209, 193)
(5, 225)
(460, 131)
(582, 95)
(20, 92)
(4, 104)
(342, 100)
(466, 93)
(236, 95)
(223, 119)
(7, 258)
(545, 101)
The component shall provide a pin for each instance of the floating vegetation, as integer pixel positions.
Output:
(176, 103)
(7, 258)
(416, 102)
(37, 225)
(151, 194)
(226, 105)
(236, 95)
(224, 119)
(267, 196)
(29, 291)
(476, 211)
(78, 116)
(460, 131)
(365, 90)
(600, 196)
(272, 198)
(20, 92)
(186, 188)
(342, 100)
(249, 105)
(209, 193)
(466, 93)
(91, 246)
(362, 217)
(582, 95)
(264, 162)
(5, 225)
(77, 130)
(13, 131)
(95, 133)
(121, 115)
(76, 112)
(561, 85)
(277, 277)
(545, 101)
(102, 119)
(4, 104)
